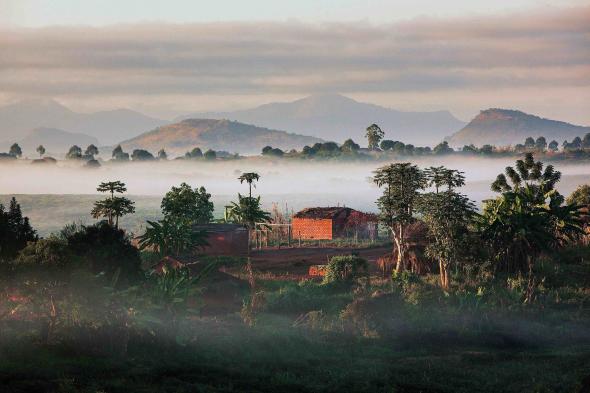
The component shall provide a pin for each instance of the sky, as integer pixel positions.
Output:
(167, 58)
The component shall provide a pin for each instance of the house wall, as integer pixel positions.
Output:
(312, 229)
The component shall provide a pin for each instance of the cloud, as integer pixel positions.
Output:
(527, 50)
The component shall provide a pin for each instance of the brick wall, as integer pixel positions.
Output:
(312, 229)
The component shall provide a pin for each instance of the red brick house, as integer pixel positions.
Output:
(327, 223)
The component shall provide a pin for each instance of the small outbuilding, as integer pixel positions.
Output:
(327, 223)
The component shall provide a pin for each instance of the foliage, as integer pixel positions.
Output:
(41, 150)
(142, 155)
(15, 150)
(15, 231)
(529, 217)
(162, 155)
(191, 205)
(346, 268)
(374, 135)
(247, 211)
(210, 155)
(448, 215)
(172, 237)
(74, 153)
(119, 155)
(114, 207)
(108, 250)
(581, 196)
(51, 252)
(91, 151)
(402, 182)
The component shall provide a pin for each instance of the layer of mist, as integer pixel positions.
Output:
(53, 195)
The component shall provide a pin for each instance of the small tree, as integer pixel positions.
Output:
(74, 153)
(183, 203)
(162, 155)
(91, 151)
(374, 135)
(171, 237)
(15, 150)
(541, 144)
(41, 150)
(553, 146)
(402, 183)
(210, 155)
(141, 155)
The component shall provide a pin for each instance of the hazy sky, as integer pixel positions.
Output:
(176, 56)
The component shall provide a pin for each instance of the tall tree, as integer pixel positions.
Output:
(374, 135)
(448, 215)
(187, 204)
(113, 207)
(553, 145)
(541, 144)
(41, 150)
(250, 178)
(402, 183)
(15, 230)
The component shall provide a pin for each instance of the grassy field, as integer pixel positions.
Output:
(392, 336)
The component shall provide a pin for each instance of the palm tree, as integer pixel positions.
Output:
(250, 178)
(528, 218)
(171, 237)
(247, 211)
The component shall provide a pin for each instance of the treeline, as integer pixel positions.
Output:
(379, 147)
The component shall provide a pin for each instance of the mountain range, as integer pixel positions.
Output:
(336, 118)
(109, 127)
(216, 134)
(509, 127)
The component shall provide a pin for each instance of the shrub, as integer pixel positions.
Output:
(50, 252)
(107, 249)
(346, 268)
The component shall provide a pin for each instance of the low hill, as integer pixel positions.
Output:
(213, 134)
(109, 127)
(54, 140)
(336, 118)
(509, 127)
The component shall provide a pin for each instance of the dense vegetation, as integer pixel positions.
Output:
(496, 300)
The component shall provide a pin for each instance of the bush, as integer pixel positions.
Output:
(346, 268)
(50, 252)
(107, 249)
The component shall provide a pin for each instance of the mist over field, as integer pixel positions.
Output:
(53, 196)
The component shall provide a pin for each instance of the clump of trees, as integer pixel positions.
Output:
(183, 208)
(528, 218)
(15, 231)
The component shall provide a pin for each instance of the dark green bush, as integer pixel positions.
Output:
(345, 268)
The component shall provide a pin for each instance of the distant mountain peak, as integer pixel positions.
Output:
(498, 126)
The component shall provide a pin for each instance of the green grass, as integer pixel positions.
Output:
(312, 337)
